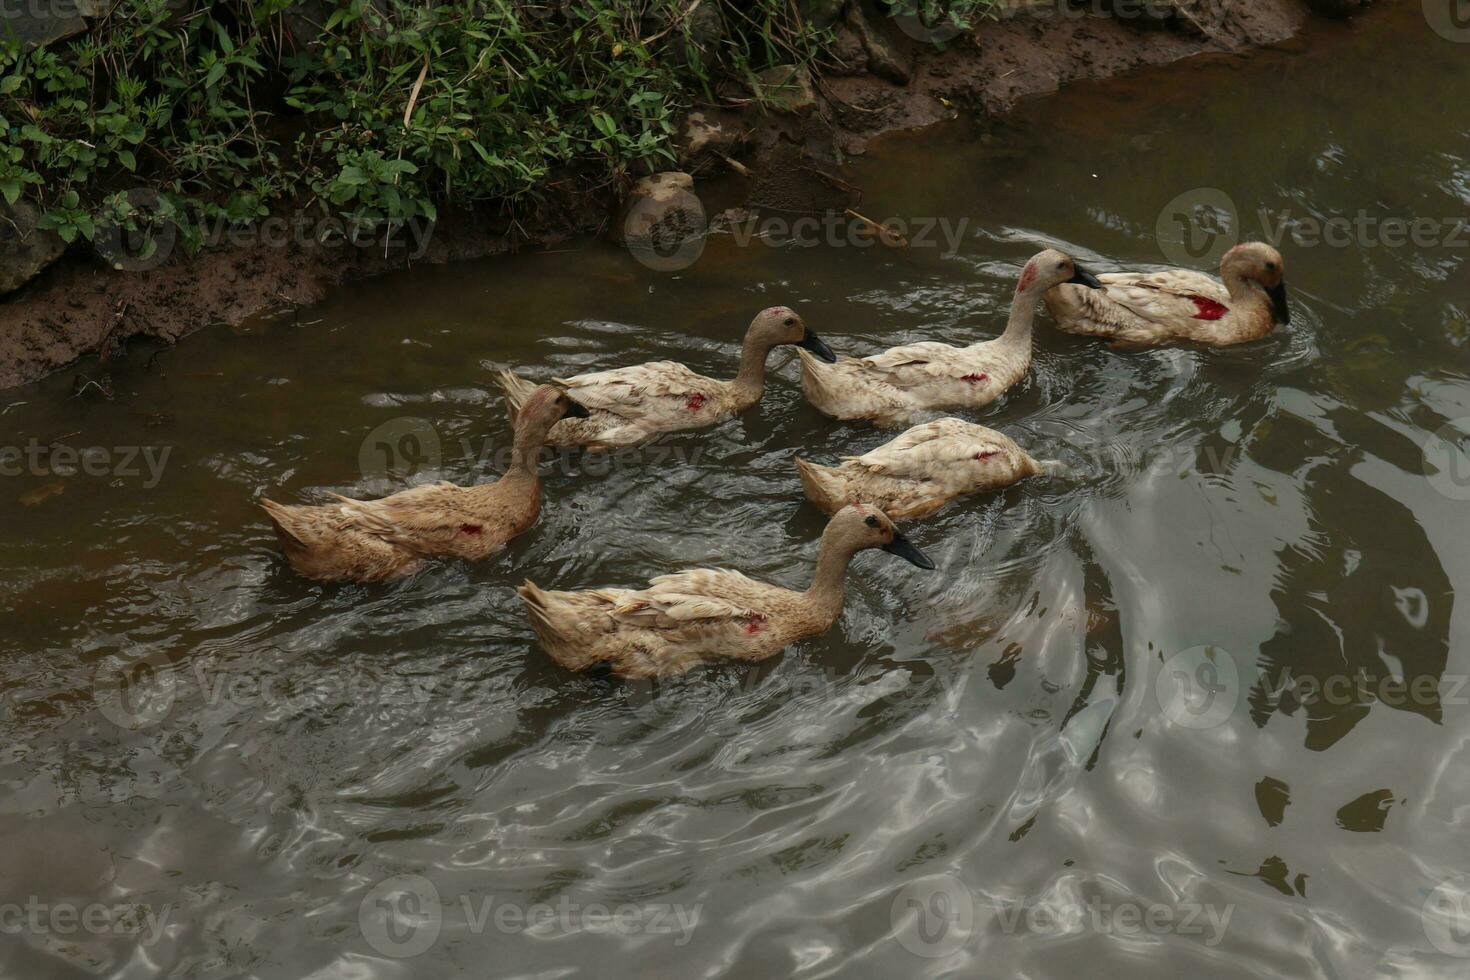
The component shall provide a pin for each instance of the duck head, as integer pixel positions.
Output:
(545, 407)
(862, 526)
(1053, 268)
(1261, 264)
(782, 325)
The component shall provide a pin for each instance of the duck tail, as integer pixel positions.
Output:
(283, 518)
(823, 485)
(517, 389)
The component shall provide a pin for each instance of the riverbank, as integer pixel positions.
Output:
(877, 83)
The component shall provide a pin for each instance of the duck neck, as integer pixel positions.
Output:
(1023, 314)
(825, 595)
(750, 383)
(1241, 289)
(525, 454)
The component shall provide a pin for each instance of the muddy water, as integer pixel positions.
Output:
(1199, 710)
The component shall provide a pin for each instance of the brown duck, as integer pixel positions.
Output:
(373, 540)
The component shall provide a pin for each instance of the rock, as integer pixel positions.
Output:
(706, 139)
(657, 203)
(820, 13)
(1338, 8)
(24, 249)
(884, 57)
(786, 88)
(40, 24)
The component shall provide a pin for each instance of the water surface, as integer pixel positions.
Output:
(1198, 711)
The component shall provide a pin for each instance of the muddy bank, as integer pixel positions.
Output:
(792, 159)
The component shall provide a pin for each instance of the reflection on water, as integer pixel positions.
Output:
(1199, 709)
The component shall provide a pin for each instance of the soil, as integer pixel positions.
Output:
(80, 307)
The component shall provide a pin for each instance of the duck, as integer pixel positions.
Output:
(889, 388)
(707, 614)
(1150, 308)
(633, 405)
(376, 540)
(919, 472)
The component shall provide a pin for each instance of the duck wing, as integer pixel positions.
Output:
(918, 364)
(1171, 296)
(929, 450)
(702, 597)
(422, 521)
(637, 391)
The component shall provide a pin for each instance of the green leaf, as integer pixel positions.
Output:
(126, 158)
(11, 189)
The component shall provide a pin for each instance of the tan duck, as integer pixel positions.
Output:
(629, 406)
(890, 387)
(372, 540)
(1181, 304)
(922, 470)
(705, 614)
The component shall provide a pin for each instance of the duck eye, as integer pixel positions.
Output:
(1270, 266)
(790, 321)
(871, 522)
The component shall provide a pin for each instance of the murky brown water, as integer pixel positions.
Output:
(1025, 765)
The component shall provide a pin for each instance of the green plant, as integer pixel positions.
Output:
(390, 111)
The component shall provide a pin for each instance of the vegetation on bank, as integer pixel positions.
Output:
(378, 111)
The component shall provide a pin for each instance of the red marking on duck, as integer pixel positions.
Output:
(471, 529)
(987, 455)
(975, 379)
(755, 624)
(1208, 308)
(696, 401)
(1028, 276)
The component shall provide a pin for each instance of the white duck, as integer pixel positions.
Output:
(890, 387)
(922, 470)
(629, 406)
(1181, 304)
(689, 617)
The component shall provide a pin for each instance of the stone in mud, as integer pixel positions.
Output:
(24, 249)
(38, 24)
(786, 88)
(885, 59)
(659, 206)
(706, 139)
(820, 13)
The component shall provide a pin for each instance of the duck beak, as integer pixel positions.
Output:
(1084, 278)
(576, 410)
(814, 344)
(904, 548)
(1278, 302)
